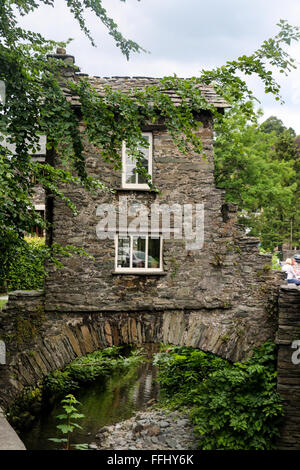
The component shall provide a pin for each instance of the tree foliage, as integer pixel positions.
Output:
(36, 105)
(258, 165)
(273, 124)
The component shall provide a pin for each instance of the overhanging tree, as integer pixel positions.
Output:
(260, 174)
(36, 105)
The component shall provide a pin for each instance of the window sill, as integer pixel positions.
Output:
(136, 273)
(144, 190)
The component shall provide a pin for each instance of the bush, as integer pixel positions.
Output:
(234, 406)
(59, 382)
(88, 368)
(27, 272)
(184, 366)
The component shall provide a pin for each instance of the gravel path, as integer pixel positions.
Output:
(148, 430)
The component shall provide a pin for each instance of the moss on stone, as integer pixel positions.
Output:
(27, 326)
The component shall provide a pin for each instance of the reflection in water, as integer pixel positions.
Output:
(145, 387)
(102, 403)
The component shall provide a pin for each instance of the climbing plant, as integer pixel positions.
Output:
(36, 105)
(28, 272)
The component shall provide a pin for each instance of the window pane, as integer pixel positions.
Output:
(139, 252)
(131, 176)
(154, 252)
(141, 178)
(123, 252)
(130, 173)
(144, 161)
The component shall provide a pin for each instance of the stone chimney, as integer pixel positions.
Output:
(67, 72)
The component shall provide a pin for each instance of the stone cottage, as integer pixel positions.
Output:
(149, 282)
(212, 297)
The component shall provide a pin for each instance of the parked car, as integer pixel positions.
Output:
(138, 260)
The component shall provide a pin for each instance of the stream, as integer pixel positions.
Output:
(103, 402)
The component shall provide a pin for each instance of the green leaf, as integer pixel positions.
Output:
(65, 428)
(54, 439)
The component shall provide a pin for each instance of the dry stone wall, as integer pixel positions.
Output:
(290, 253)
(39, 342)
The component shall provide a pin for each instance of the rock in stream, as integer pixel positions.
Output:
(148, 430)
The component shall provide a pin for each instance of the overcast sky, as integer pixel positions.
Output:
(183, 37)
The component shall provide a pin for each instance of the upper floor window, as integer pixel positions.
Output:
(131, 179)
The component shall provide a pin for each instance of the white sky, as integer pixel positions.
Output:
(183, 37)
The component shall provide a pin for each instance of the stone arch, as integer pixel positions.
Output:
(63, 337)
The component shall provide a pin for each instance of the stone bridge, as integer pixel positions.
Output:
(39, 342)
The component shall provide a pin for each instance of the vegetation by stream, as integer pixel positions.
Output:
(99, 365)
(233, 406)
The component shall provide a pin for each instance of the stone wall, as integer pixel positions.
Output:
(288, 369)
(222, 298)
(38, 198)
(40, 341)
(227, 277)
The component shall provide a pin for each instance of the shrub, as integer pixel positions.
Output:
(234, 406)
(27, 270)
(88, 368)
(59, 382)
(184, 366)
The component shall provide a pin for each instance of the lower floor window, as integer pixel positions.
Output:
(138, 253)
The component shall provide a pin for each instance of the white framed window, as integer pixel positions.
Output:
(138, 253)
(130, 178)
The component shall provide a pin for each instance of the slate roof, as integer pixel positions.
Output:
(127, 84)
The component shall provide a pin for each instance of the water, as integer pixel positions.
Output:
(102, 402)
